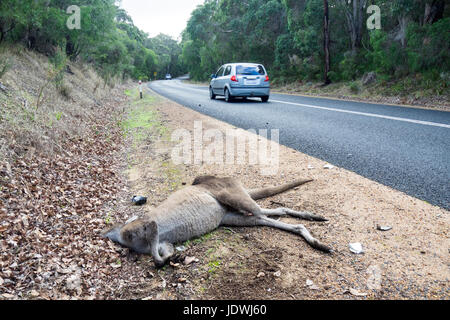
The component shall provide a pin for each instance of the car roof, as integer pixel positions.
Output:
(243, 63)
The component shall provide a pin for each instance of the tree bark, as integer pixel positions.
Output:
(434, 11)
(401, 34)
(354, 17)
(326, 42)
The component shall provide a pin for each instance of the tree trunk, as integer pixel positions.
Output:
(401, 34)
(354, 17)
(434, 11)
(4, 32)
(326, 42)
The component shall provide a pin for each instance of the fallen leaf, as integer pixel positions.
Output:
(357, 293)
(189, 260)
(34, 293)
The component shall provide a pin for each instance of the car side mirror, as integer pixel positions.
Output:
(213, 76)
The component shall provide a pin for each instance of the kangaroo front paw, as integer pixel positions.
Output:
(166, 250)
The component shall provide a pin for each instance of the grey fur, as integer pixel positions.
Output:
(202, 207)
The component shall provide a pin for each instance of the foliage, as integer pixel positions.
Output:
(5, 65)
(287, 36)
(108, 38)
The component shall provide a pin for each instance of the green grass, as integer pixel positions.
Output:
(198, 240)
(203, 238)
(213, 265)
(172, 174)
(109, 219)
(143, 120)
(143, 126)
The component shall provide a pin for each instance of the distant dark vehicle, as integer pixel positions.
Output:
(240, 80)
(168, 76)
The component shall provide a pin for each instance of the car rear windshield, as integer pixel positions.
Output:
(249, 70)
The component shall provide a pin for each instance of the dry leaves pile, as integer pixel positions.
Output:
(52, 211)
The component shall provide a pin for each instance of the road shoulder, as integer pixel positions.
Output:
(315, 91)
(408, 261)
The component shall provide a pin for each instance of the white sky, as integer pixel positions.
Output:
(160, 16)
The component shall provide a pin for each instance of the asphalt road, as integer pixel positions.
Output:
(405, 148)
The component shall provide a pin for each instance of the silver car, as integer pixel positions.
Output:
(240, 80)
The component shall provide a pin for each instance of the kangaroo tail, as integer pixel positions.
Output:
(271, 191)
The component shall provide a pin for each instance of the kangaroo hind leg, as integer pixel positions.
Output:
(298, 214)
(237, 220)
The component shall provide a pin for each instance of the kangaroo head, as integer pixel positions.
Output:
(138, 234)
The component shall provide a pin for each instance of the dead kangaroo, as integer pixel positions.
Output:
(208, 203)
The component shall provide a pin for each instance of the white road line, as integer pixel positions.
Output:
(427, 123)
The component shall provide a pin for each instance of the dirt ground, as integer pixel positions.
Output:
(54, 207)
(410, 261)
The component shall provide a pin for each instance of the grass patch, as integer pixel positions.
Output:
(354, 88)
(143, 120)
(213, 266)
(172, 174)
(145, 129)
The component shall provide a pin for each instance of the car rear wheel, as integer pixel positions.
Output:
(212, 96)
(228, 96)
(265, 98)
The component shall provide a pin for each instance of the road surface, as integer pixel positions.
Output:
(405, 148)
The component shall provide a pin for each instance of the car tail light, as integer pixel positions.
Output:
(267, 78)
(233, 78)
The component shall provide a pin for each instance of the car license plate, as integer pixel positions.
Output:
(250, 82)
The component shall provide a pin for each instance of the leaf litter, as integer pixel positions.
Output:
(53, 208)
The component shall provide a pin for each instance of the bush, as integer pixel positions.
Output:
(58, 62)
(429, 47)
(353, 65)
(64, 90)
(334, 76)
(354, 88)
(5, 65)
